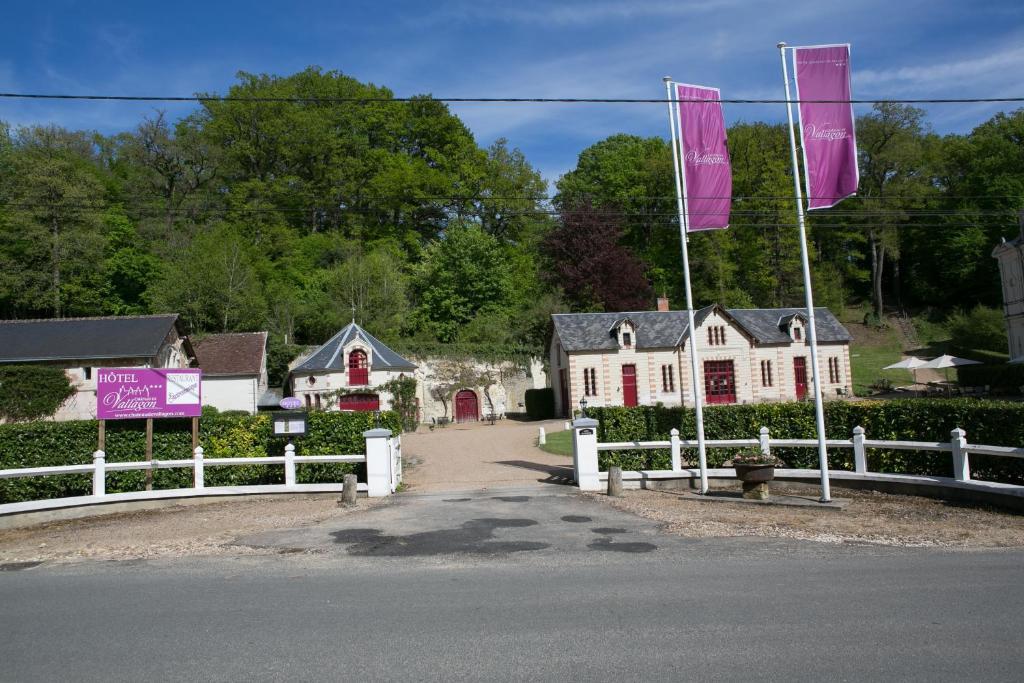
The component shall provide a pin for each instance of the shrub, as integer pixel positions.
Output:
(982, 328)
(986, 422)
(30, 392)
(540, 403)
(43, 444)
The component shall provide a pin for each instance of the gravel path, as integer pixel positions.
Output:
(870, 518)
(481, 455)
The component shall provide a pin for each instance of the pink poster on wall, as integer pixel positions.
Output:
(133, 393)
(826, 127)
(706, 169)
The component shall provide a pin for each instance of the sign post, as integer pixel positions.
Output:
(148, 393)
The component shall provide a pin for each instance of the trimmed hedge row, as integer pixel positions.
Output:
(995, 423)
(47, 444)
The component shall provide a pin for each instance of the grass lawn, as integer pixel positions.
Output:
(559, 443)
(870, 351)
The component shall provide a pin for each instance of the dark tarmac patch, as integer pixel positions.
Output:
(512, 499)
(18, 566)
(472, 538)
(609, 545)
(457, 500)
(606, 530)
(579, 519)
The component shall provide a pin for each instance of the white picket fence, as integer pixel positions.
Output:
(383, 459)
(589, 477)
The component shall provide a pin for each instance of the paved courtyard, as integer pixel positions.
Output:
(477, 455)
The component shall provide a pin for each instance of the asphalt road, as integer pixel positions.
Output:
(514, 585)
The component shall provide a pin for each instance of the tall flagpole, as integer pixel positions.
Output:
(812, 333)
(683, 225)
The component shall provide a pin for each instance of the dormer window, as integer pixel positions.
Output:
(358, 368)
(627, 340)
(797, 333)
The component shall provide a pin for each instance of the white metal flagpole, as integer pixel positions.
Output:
(812, 333)
(677, 153)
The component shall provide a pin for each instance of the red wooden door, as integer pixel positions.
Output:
(466, 407)
(359, 402)
(629, 385)
(563, 381)
(719, 381)
(358, 369)
(800, 377)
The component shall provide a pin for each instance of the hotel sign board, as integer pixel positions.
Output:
(134, 393)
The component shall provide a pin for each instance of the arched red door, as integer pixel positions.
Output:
(466, 407)
(358, 369)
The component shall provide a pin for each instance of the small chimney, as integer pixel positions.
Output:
(663, 303)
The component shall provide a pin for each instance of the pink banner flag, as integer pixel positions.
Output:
(707, 174)
(826, 128)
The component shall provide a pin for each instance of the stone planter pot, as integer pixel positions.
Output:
(755, 478)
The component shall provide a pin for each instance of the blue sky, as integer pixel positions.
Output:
(456, 48)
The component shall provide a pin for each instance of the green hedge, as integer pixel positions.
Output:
(540, 404)
(45, 444)
(996, 423)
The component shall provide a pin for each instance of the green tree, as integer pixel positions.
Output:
(462, 274)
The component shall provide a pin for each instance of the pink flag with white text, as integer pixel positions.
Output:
(706, 170)
(826, 128)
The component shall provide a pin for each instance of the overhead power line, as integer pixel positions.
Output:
(486, 100)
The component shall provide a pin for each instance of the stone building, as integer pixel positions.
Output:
(234, 369)
(82, 345)
(642, 358)
(1011, 270)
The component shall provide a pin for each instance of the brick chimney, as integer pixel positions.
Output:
(662, 303)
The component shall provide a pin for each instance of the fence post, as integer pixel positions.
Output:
(289, 464)
(677, 460)
(197, 468)
(377, 467)
(541, 437)
(766, 446)
(99, 473)
(584, 454)
(961, 463)
(860, 457)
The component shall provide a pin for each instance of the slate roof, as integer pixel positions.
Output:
(26, 341)
(667, 329)
(330, 356)
(238, 353)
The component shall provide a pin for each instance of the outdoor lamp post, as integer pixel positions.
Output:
(583, 407)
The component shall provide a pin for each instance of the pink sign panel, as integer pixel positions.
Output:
(132, 393)
(826, 128)
(706, 169)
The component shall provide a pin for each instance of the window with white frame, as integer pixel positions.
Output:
(668, 378)
(590, 382)
(767, 380)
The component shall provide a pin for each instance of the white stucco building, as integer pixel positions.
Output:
(347, 373)
(234, 369)
(82, 345)
(642, 358)
(1011, 270)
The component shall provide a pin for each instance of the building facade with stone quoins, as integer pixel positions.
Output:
(347, 373)
(1011, 269)
(746, 355)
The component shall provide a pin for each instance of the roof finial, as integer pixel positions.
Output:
(353, 312)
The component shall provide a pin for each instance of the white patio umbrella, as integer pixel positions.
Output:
(911, 363)
(947, 361)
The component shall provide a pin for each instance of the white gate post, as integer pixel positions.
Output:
(961, 463)
(541, 437)
(584, 454)
(860, 458)
(289, 464)
(377, 468)
(677, 461)
(198, 473)
(766, 446)
(99, 473)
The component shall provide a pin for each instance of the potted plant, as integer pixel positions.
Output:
(755, 469)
